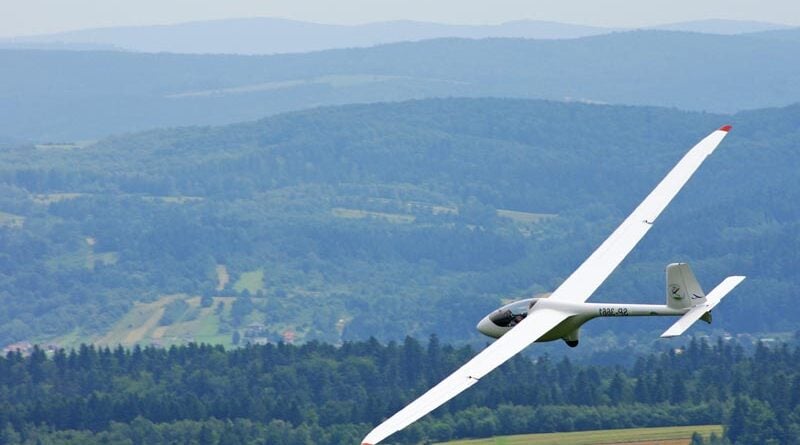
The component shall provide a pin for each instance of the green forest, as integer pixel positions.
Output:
(387, 220)
(321, 394)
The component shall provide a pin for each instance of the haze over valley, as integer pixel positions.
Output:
(53, 96)
(264, 35)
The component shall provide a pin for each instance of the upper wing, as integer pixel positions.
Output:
(537, 323)
(577, 288)
(591, 274)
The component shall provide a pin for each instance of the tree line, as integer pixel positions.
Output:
(319, 393)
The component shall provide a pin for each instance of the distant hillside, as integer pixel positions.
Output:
(792, 35)
(388, 219)
(64, 95)
(273, 35)
(265, 35)
(719, 26)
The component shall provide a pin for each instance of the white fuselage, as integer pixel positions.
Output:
(504, 319)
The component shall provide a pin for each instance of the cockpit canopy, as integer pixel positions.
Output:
(511, 314)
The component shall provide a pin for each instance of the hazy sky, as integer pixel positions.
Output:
(21, 17)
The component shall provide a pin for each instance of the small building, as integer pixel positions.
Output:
(255, 330)
(257, 340)
(23, 347)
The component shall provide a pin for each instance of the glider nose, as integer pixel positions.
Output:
(483, 325)
(488, 328)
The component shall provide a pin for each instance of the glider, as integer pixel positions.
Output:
(561, 315)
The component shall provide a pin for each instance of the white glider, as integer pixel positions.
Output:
(561, 315)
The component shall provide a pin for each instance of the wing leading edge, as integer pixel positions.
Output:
(594, 271)
(507, 346)
(577, 288)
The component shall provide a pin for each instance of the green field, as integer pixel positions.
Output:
(10, 220)
(524, 217)
(395, 218)
(64, 145)
(674, 435)
(332, 81)
(174, 199)
(141, 326)
(49, 198)
(84, 257)
(252, 281)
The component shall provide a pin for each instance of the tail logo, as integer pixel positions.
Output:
(674, 289)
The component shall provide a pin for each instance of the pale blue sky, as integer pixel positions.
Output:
(24, 17)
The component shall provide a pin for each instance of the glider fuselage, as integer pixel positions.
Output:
(497, 323)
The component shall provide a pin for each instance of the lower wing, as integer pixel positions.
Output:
(536, 324)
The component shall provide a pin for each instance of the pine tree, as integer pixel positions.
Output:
(697, 439)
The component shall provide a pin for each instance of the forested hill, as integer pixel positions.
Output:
(322, 395)
(55, 96)
(386, 220)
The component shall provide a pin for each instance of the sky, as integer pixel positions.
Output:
(27, 17)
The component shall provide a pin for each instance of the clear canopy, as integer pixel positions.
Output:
(512, 313)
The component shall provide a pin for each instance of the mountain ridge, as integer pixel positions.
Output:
(267, 35)
(102, 93)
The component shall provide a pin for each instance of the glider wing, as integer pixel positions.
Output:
(537, 323)
(577, 288)
(591, 274)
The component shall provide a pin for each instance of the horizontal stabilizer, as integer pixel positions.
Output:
(695, 313)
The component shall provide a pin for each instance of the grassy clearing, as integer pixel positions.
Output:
(402, 218)
(71, 340)
(84, 258)
(173, 199)
(11, 220)
(335, 81)
(524, 217)
(67, 262)
(253, 281)
(49, 198)
(104, 258)
(64, 145)
(222, 277)
(204, 328)
(140, 325)
(443, 210)
(137, 325)
(677, 435)
(395, 218)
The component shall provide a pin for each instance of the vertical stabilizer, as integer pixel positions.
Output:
(683, 290)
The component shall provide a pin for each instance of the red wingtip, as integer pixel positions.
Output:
(726, 128)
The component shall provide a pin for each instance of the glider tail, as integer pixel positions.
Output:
(702, 311)
(683, 290)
